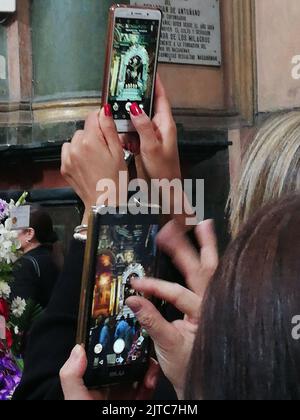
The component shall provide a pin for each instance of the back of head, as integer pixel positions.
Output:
(270, 168)
(244, 348)
(42, 224)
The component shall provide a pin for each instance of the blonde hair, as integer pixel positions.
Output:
(270, 168)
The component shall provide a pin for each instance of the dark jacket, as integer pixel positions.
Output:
(53, 335)
(35, 275)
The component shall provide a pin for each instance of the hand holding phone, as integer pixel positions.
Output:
(71, 378)
(120, 248)
(131, 62)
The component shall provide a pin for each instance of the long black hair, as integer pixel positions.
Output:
(244, 349)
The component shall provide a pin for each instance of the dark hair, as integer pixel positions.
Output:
(244, 349)
(42, 224)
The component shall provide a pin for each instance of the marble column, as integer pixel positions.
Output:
(68, 43)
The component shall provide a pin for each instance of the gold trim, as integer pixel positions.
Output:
(65, 110)
(15, 113)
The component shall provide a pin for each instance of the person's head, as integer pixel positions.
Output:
(244, 347)
(270, 168)
(40, 232)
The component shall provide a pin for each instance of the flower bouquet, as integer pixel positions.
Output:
(15, 315)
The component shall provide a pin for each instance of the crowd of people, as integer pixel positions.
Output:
(234, 340)
(108, 331)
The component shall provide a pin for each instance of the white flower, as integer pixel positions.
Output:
(11, 205)
(8, 224)
(8, 243)
(16, 330)
(18, 307)
(4, 290)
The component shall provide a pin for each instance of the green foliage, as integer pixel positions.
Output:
(5, 272)
(22, 199)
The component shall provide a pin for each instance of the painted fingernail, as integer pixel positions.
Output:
(135, 110)
(107, 110)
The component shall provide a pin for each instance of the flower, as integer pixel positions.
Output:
(4, 311)
(4, 210)
(4, 290)
(11, 205)
(10, 375)
(10, 312)
(9, 244)
(18, 307)
(9, 339)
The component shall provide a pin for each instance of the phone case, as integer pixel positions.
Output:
(84, 310)
(110, 35)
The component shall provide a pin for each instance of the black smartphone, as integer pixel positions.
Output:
(131, 61)
(120, 247)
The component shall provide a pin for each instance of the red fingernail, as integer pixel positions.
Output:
(135, 110)
(108, 110)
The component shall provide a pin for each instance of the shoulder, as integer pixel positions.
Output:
(40, 253)
(23, 263)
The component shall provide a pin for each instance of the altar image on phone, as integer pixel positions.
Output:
(124, 253)
(133, 62)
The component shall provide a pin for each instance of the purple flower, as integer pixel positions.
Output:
(4, 210)
(10, 376)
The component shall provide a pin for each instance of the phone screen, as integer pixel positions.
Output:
(133, 65)
(116, 339)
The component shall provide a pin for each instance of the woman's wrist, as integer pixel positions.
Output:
(86, 216)
(88, 205)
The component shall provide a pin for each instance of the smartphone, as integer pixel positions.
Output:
(131, 61)
(120, 247)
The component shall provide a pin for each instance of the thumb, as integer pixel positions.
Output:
(71, 376)
(161, 331)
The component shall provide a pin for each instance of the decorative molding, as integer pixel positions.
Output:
(239, 69)
(244, 59)
(193, 145)
(204, 119)
(64, 110)
(15, 113)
